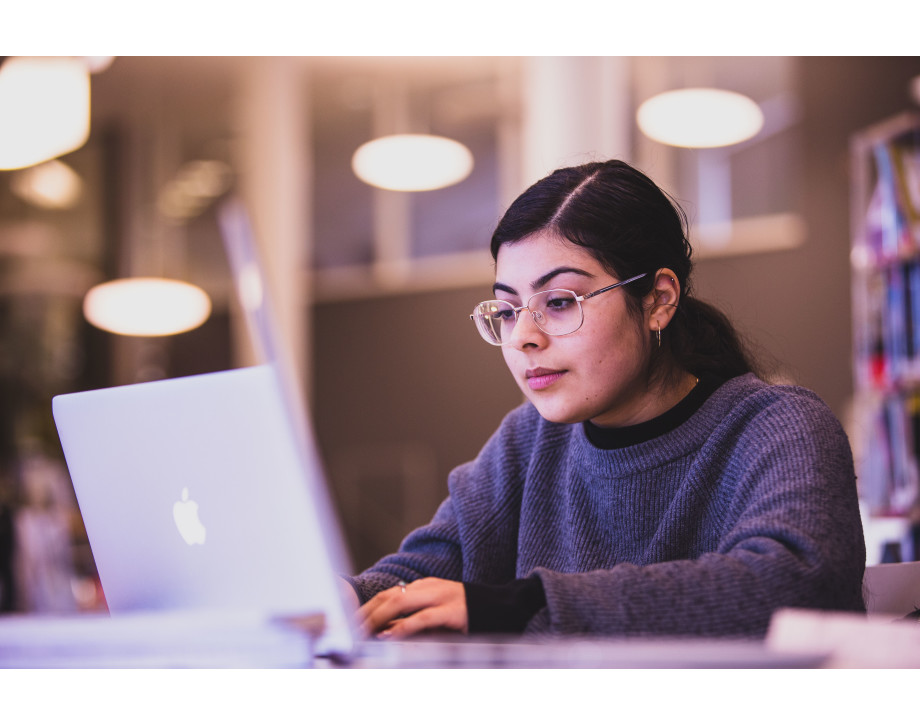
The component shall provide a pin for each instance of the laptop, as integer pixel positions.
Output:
(194, 495)
(207, 492)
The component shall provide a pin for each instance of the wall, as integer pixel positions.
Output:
(795, 304)
(404, 391)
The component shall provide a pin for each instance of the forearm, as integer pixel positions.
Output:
(716, 595)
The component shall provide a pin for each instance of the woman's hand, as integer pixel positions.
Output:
(422, 605)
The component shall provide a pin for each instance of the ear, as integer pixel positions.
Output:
(661, 302)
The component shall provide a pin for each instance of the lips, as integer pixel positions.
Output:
(540, 378)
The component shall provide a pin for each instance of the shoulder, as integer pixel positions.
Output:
(777, 412)
(749, 395)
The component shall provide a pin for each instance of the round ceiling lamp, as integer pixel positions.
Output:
(46, 109)
(412, 162)
(51, 185)
(700, 118)
(146, 306)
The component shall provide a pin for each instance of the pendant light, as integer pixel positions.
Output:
(51, 185)
(412, 162)
(700, 118)
(46, 109)
(146, 306)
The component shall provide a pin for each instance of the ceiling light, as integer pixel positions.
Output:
(51, 185)
(146, 306)
(412, 162)
(98, 63)
(196, 184)
(700, 118)
(45, 104)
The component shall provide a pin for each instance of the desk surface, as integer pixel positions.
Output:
(210, 640)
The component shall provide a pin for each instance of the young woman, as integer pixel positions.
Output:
(652, 483)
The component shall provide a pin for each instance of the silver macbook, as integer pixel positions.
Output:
(195, 495)
(207, 492)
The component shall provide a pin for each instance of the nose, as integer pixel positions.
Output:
(525, 332)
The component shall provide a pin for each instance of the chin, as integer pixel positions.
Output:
(554, 415)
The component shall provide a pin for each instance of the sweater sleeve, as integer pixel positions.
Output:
(473, 535)
(791, 537)
(433, 550)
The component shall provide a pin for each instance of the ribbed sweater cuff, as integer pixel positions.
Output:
(493, 608)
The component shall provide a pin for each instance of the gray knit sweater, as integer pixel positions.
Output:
(748, 506)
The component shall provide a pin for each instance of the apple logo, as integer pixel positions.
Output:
(185, 513)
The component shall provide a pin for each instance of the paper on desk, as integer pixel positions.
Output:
(850, 639)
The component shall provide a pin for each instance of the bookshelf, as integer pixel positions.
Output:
(885, 261)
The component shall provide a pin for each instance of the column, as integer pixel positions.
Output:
(575, 110)
(274, 162)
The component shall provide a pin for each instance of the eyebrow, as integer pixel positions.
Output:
(541, 281)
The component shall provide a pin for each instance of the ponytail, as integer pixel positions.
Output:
(703, 341)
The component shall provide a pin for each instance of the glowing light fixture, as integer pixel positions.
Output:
(146, 306)
(700, 118)
(51, 185)
(45, 104)
(196, 184)
(412, 162)
(98, 63)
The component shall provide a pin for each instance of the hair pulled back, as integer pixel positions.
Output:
(631, 226)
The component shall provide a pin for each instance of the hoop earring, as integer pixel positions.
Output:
(659, 334)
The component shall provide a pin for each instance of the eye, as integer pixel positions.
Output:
(503, 315)
(559, 302)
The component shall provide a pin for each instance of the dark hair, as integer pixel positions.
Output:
(631, 226)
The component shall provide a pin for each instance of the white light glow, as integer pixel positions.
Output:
(51, 185)
(250, 286)
(196, 185)
(412, 162)
(45, 109)
(700, 118)
(146, 306)
(98, 63)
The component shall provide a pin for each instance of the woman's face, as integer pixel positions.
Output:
(597, 373)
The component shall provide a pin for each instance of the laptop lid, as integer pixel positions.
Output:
(193, 494)
(208, 491)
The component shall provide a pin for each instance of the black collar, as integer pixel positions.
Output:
(609, 438)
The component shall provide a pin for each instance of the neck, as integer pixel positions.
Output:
(660, 398)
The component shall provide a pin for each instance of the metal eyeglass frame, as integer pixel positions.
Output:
(578, 299)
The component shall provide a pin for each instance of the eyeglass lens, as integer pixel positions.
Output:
(556, 312)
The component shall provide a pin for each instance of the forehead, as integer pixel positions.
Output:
(527, 260)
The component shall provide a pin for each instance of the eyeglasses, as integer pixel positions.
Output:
(555, 312)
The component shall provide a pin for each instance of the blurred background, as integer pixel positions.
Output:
(375, 285)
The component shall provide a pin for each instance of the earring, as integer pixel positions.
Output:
(659, 334)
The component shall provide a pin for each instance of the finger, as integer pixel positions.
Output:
(388, 599)
(431, 618)
(385, 607)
